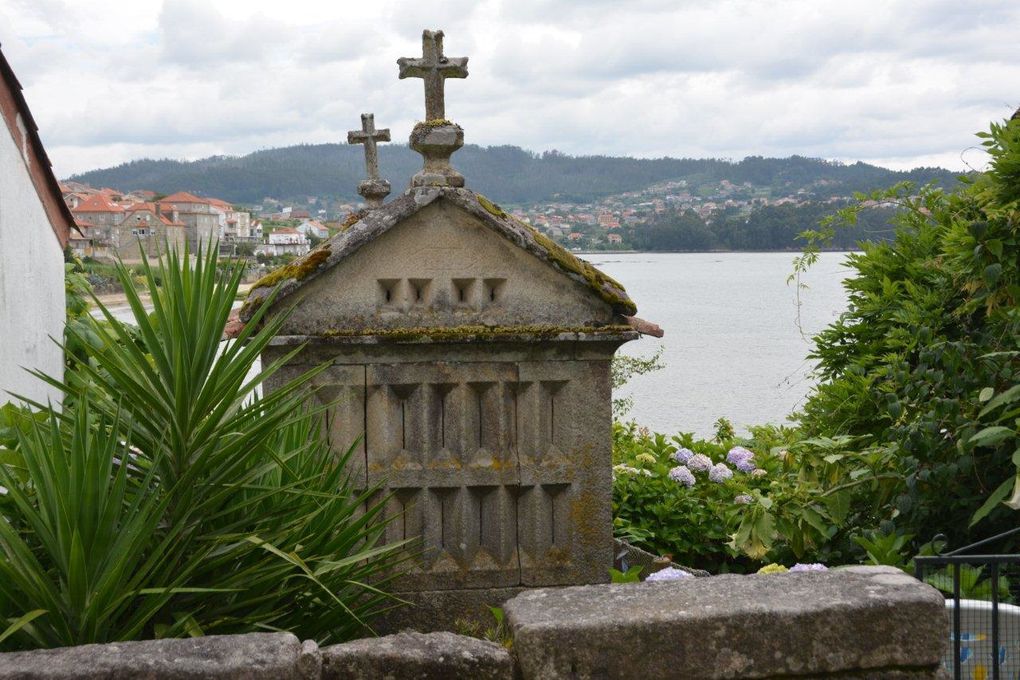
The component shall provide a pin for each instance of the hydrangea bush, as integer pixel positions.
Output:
(737, 504)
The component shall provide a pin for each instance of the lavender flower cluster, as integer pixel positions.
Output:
(683, 456)
(682, 475)
(689, 462)
(742, 459)
(720, 473)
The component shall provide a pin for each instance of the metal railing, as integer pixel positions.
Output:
(974, 592)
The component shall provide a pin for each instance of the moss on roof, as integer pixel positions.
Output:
(608, 288)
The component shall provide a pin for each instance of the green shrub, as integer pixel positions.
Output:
(259, 525)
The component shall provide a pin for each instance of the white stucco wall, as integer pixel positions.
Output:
(31, 282)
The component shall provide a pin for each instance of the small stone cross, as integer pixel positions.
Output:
(368, 136)
(373, 189)
(434, 68)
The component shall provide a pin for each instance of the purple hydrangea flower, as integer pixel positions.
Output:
(699, 462)
(683, 455)
(743, 499)
(669, 574)
(682, 475)
(720, 473)
(747, 466)
(738, 455)
(816, 566)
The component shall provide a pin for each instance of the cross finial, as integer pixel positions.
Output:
(373, 189)
(434, 68)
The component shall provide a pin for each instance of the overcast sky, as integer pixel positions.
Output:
(899, 83)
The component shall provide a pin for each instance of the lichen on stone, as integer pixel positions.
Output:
(470, 332)
(422, 128)
(609, 289)
(352, 219)
(297, 270)
(491, 207)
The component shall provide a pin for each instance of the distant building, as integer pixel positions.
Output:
(82, 240)
(313, 228)
(286, 241)
(607, 220)
(35, 226)
(143, 229)
(201, 222)
(614, 238)
(100, 214)
(234, 224)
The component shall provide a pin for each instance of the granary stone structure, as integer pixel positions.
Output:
(471, 356)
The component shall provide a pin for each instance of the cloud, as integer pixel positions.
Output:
(899, 83)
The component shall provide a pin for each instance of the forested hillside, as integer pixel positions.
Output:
(766, 228)
(506, 173)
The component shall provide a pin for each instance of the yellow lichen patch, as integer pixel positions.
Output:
(434, 123)
(296, 270)
(490, 207)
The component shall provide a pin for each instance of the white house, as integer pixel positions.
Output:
(313, 228)
(35, 226)
(286, 241)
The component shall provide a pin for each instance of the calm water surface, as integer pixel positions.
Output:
(732, 346)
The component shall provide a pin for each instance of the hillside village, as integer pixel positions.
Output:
(116, 224)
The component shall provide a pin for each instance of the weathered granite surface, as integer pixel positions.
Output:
(445, 610)
(273, 656)
(417, 656)
(474, 375)
(862, 622)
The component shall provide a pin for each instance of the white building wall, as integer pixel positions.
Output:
(31, 283)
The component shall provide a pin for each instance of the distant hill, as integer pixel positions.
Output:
(505, 173)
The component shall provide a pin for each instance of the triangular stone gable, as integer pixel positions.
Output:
(441, 258)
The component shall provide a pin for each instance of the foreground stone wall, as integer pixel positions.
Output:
(861, 622)
(858, 623)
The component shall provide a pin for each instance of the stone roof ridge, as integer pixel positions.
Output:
(373, 224)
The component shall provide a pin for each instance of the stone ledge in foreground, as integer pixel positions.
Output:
(858, 622)
(258, 656)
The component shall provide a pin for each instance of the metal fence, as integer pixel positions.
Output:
(982, 592)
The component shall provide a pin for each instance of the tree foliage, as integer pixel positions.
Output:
(926, 357)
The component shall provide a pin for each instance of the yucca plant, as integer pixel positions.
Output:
(81, 556)
(267, 524)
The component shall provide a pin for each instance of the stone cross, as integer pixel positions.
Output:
(434, 68)
(373, 189)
